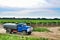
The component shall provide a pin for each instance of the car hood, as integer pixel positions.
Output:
(28, 26)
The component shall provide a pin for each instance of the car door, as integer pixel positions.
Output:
(19, 28)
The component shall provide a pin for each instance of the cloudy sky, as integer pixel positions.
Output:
(30, 8)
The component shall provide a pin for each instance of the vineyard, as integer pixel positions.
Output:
(33, 22)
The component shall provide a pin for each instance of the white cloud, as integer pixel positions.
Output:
(54, 3)
(30, 3)
(33, 8)
(23, 3)
(29, 12)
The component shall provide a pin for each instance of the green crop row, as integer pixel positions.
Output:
(27, 21)
(38, 29)
(14, 37)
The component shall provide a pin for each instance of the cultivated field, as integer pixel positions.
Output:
(43, 30)
(34, 23)
(27, 21)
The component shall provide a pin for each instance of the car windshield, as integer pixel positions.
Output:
(22, 24)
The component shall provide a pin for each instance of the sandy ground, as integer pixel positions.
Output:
(53, 35)
(2, 30)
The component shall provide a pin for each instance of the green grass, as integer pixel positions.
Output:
(27, 21)
(14, 37)
(41, 29)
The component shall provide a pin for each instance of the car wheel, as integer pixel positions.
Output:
(28, 33)
(12, 32)
(24, 32)
(8, 30)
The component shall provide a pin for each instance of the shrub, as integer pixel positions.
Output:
(41, 29)
(14, 37)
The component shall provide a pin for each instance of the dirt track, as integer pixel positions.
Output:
(2, 30)
(54, 34)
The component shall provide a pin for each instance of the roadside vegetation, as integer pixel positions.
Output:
(42, 29)
(14, 37)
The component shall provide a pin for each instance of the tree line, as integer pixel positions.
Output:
(33, 18)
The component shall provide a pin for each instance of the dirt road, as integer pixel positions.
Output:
(2, 30)
(53, 35)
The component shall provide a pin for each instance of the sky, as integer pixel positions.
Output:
(30, 8)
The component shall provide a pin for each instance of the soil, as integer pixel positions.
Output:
(2, 30)
(53, 35)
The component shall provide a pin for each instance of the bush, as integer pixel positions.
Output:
(41, 29)
(14, 37)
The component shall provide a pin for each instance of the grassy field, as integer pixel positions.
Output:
(14, 37)
(42, 29)
(27, 21)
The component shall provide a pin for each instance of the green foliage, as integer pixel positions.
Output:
(41, 29)
(14, 37)
(27, 21)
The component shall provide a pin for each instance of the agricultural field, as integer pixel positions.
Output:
(27, 21)
(39, 32)
(33, 23)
